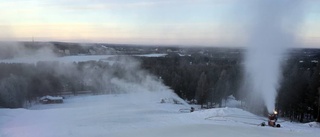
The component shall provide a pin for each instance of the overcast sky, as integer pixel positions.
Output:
(173, 22)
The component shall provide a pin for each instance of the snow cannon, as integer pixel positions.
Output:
(273, 117)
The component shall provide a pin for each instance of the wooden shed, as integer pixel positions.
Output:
(51, 100)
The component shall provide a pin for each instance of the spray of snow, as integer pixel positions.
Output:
(121, 74)
(137, 81)
(268, 40)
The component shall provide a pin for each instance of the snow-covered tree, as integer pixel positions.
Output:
(202, 89)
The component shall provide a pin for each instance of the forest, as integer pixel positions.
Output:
(203, 77)
(213, 80)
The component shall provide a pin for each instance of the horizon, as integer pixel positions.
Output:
(152, 45)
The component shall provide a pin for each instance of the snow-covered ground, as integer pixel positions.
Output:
(151, 55)
(67, 59)
(138, 115)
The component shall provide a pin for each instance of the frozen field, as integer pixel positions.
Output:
(70, 59)
(138, 115)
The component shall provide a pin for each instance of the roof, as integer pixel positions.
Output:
(51, 98)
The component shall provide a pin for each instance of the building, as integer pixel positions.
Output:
(51, 100)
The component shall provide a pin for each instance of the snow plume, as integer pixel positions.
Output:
(105, 74)
(271, 27)
(126, 76)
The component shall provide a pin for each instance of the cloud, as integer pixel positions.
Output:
(113, 20)
(103, 4)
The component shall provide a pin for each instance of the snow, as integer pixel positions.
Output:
(137, 114)
(313, 124)
(181, 55)
(64, 59)
(231, 102)
(73, 58)
(152, 55)
(51, 98)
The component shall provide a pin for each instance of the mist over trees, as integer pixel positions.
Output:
(206, 75)
(21, 83)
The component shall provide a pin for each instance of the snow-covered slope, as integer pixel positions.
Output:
(138, 114)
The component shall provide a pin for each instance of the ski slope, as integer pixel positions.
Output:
(137, 114)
